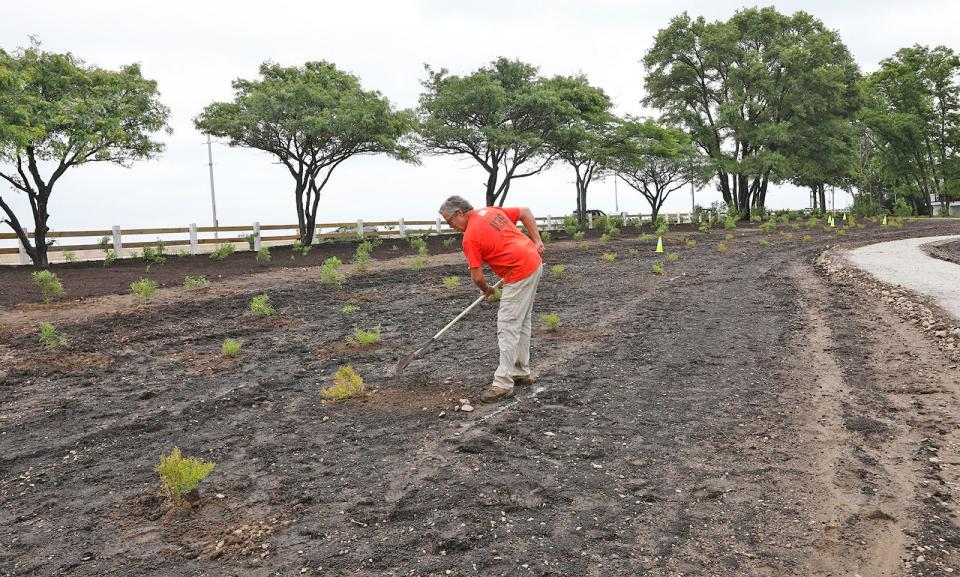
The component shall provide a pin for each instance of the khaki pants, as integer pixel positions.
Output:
(514, 323)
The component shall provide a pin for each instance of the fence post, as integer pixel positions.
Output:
(256, 235)
(549, 222)
(194, 243)
(439, 224)
(589, 220)
(24, 258)
(117, 244)
(403, 228)
(360, 227)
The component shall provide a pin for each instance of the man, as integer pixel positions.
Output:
(490, 235)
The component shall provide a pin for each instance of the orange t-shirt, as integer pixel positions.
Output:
(492, 237)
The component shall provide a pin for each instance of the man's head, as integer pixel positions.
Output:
(454, 210)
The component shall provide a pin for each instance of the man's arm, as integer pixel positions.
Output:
(530, 223)
(481, 281)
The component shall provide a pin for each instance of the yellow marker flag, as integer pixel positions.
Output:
(659, 244)
(884, 223)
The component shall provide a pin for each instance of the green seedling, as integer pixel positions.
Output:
(673, 257)
(545, 236)
(583, 246)
(451, 282)
(350, 309)
(260, 306)
(729, 237)
(51, 338)
(497, 294)
(609, 257)
(181, 476)
(362, 337)
(222, 252)
(691, 242)
(143, 289)
(645, 238)
(192, 282)
(449, 242)
(558, 270)
(330, 272)
(763, 242)
(418, 262)
(69, 256)
(806, 238)
(263, 254)
(633, 251)
(841, 232)
(721, 248)
(578, 235)
(550, 321)
(230, 347)
(657, 268)
(604, 237)
(346, 384)
(50, 286)
(419, 244)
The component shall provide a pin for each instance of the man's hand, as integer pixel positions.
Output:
(489, 291)
(539, 245)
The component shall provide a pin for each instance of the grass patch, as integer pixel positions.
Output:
(181, 475)
(143, 289)
(230, 347)
(260, 306)
(609, 257)
(50, 286)
(350, 309)
(346, 384)
(558, 270)
(51, 338)
(362, 337)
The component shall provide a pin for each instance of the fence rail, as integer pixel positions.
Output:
(117, 236)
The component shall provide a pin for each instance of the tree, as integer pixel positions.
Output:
(312, 118)
(655, 161)
(588, 137)
(500, 116)
(58, 113)
(913, 114)
(741, 88)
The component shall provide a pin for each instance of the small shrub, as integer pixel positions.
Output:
(657, 268)
(721, 248)
(768, 226)
(362, 337)
(578, 235)
(604, 237)
(550, 321)
(222, 252)
(788, 236)
(260, 306)
(51, 338)
(449, 242)
(143, 289)
(794, 227)
(571, 226)
(418, 262)
(69, 256)
(545, 236)
(663, 229)
(181, 476)
(691, 242)
(330, 272)
(902, 209)
(50, 286)
(155, 255)
(806, 238)
(195, 281)
(451, 282)
(230, 347)
(263, 254)
(704, 227)
(583, 246)
(613, 232)
(419, 244)
(350, 309)
(730, 223)
(251, 239)
(182, 253)
(609, 257)
(841, 232)
(812, 222)
(645, 238)
(361, 258)
(633, 251)
(558, 270)
(763, 242)
(729, 237)
(673, 257)
(300, 248)
(346, 384)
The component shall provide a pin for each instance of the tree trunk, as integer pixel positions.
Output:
(491, 196)
(821, 190)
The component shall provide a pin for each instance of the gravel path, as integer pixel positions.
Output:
(903, 262)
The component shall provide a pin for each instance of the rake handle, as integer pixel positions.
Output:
(465, 311)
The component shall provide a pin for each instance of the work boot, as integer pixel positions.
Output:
(495, 394)
(523, 380)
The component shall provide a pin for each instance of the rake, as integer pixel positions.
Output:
(407, 359)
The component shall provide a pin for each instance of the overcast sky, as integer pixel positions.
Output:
(194, 50)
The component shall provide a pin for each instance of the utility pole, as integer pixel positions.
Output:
(616, 196)
(213, 196)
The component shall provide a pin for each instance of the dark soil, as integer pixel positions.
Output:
(949, 251)
(666, 432)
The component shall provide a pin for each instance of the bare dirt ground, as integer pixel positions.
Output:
(949, 251)
(749, 413)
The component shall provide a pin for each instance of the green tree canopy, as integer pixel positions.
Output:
(912, 112)
(500, 116)
(743, 87)
(57, 113)
(312, 118)
(656, 160)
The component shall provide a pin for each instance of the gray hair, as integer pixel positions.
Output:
(454, 204)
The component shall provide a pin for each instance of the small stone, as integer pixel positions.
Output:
(325, 419)
(921, 559)
(220, 495)
(464, 401)
(303, 569)
(596, 466)
(549, 434)
(442, 414)
(940, 334)
(467, 408)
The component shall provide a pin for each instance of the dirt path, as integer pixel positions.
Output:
(745, 413)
